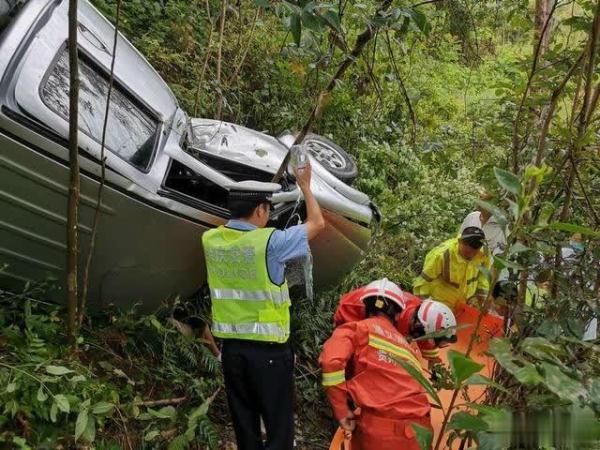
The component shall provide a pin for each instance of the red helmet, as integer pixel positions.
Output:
(386, 289)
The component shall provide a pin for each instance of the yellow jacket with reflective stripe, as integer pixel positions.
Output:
(246, 304)
(450, 278)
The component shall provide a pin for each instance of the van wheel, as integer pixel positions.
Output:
(331, 156)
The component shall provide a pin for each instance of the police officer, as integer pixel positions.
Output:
(245, 264)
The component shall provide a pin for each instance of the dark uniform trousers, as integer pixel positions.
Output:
(259, 381)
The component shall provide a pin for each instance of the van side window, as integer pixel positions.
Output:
(131, 131)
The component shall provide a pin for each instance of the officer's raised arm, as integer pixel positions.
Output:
(314, 218)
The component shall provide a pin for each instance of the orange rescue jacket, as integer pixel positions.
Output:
(360, 364)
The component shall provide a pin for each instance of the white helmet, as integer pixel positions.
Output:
(386, 289)
(436, 316)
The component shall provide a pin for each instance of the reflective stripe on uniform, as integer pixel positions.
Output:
(334, 378)
(473, 280)
(426, 277)
(386, 346)
(446, 270)
(430, 354)
(260, 295)
(262, 329)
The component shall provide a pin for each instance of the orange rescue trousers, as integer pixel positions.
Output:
(378, 433)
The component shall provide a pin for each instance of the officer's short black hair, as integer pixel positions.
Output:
(241, 208)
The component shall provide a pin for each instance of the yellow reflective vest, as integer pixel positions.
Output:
(246, 304)
(450, 278)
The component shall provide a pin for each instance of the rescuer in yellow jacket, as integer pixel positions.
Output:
(451, 273)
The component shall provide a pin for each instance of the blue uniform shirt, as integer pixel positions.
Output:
(284, 245)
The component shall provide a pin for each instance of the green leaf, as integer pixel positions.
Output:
(333, 20)
(565, 387)
(546, 213)
(58, 370)
(501, 263)
(53, 412)
(501, 350)
(509, 181)
(541, 348)
(151, 435)
(478, 379)
(81, 423)
(572, 228)
(262, 3)
(11, 387)
(77, 379)
(420, 20)
(41, 394)
(179, 443)
(424, 436)
(465, 421)
(168, 412)
(62, 403)
(499, 214)
(313, 21)
(296, 29)
(89, 435)
(527, 374)
(418, 375)
(518, 247)
(103, 408)
(462, 367)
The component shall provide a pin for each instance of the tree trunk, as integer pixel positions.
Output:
(74, 185)
(542, 33)
(88, 263)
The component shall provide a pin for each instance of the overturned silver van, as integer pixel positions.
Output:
(165, 172)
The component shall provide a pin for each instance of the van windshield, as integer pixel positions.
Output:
(131, 131)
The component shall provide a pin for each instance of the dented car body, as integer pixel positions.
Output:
(166, 173)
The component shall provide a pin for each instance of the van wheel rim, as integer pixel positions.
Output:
(326, 155)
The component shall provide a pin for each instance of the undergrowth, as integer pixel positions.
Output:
(134, 382)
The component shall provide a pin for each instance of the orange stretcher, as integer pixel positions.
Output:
(491, 326)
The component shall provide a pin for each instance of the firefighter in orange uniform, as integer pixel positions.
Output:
(362, 370)
(413, 321)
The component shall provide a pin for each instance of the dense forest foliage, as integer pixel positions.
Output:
(436, 95)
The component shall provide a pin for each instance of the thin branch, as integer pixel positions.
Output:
(593, 103)
(100, 195)
(220, 57)
(163, 402)
(411, 111)
(591, 66)
(550, 112)
(207, 53)
(534, 64)
(585, 194)
(248, 43)
(427, 2)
